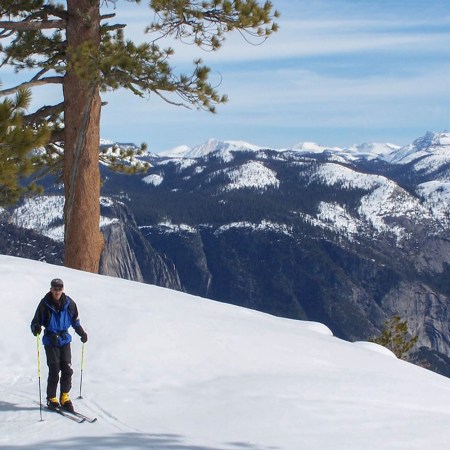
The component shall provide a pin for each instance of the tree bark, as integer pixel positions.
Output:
(82, 238)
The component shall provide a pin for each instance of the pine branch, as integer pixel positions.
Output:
(30, 84)
(170, 102)
(115, 27)
(107, 16)
(6, 33)
(45, 111)
(39, 74)
(33, 25)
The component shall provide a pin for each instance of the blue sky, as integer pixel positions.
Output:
(339, 72)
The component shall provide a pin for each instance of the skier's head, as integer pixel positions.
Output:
(56, 288)
(57, 283)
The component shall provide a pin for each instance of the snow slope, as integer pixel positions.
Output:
(165, 370)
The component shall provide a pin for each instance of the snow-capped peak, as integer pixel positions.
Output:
(308, 147)
(312, 147)
(176, 152)
(211, 146)
(392, 153)
(374, 149)
(366, 150)
(431, 139)
(428, 144)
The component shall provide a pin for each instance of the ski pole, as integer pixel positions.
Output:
(82, 368)
(39, 373)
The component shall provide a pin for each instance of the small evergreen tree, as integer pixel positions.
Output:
(395, 337)
(17, 141)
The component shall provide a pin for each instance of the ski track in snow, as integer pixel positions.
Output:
(97, 410)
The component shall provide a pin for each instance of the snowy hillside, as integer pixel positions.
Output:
(385, 199)
(386, 206)
(45, 215)
(165, 370)
(250, 175)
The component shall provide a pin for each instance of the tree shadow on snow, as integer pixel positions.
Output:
(132, 441)
(6, 406)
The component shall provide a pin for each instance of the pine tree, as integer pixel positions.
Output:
(75, 47)
(395, 337)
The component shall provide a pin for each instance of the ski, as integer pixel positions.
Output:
(67, 414)
(85, 418)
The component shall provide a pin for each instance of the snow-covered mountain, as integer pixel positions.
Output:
(436, 145)
(365, 150)
(312, 147)
(352, 168)
(397, 188)
(166, 370)
(347, 237)
(427, 145)
(211, 146)
(371, 150)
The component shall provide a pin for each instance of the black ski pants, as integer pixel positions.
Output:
(59, 359)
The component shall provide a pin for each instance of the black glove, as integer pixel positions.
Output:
(36, 329)
(82, 334)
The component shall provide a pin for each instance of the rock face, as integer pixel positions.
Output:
(118, 258)
(127, 254)
(426, 311)
(331, 235)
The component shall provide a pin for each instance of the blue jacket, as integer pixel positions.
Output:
(57, 322)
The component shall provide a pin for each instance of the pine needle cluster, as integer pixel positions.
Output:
(17, 141)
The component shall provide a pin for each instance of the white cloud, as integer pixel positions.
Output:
(312, 30)
(333, 64)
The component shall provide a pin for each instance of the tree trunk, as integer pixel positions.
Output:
(82, 238)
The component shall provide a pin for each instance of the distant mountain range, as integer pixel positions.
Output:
(347, 237)
(366, 150)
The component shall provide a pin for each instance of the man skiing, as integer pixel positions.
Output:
(56, 312)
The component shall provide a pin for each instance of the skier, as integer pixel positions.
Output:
(56, 312)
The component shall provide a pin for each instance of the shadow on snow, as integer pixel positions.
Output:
(7, 406)
(132, 441)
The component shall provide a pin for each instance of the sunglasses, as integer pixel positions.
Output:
(57, 289)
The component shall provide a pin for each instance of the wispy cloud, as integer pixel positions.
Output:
(337, 71)
(340, 71)
(299, 39)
